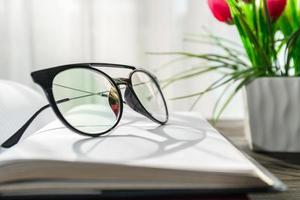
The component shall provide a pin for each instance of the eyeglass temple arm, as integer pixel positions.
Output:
(14, 139)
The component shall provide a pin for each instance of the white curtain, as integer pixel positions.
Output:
(36, 34)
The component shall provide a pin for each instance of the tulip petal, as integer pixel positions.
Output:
(276, 8)
(220, 10)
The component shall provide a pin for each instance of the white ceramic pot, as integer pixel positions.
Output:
(273, 114)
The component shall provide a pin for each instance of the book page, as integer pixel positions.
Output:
(186, 142)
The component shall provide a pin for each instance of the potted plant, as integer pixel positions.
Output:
(268, 68)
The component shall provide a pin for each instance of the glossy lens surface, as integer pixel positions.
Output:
(149, 94)
(87, 100)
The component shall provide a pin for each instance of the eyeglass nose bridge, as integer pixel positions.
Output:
(121, 81)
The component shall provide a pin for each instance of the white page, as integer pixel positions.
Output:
(187, 142)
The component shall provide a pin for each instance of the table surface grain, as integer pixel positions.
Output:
(285, 166)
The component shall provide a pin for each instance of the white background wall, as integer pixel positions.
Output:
(37, 34)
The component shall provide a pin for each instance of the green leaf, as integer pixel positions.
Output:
(290, 47)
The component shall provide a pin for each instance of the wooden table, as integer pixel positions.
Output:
(285, 166)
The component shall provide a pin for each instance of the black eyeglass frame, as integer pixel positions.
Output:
(44, 78)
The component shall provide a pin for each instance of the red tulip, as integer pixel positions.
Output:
(275, 8)
(220, 10)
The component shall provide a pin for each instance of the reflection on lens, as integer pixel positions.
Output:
(113, 99)
(149, 95)
(93, 104)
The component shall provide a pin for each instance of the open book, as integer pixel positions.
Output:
(186, 155)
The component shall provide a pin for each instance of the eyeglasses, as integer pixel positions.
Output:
(89, 102)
